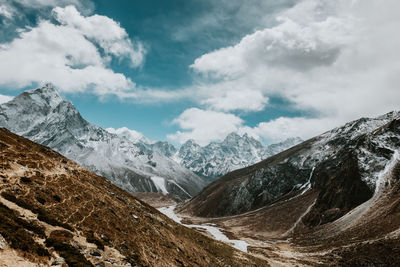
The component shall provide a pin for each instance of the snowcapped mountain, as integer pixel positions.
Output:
(344, 166)
(215, 159)
(42, 116)
(234, 152)
(132, 135)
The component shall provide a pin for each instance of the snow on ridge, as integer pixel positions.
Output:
(382, 175)
(132, 135)
(159, 182)
(41, 115)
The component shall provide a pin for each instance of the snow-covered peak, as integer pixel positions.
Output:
(46, 95)
(234, 152)
(131, 135)
(281, 146)
(232, 137)
(41, 115)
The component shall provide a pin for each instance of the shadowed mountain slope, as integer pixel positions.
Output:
(343, 164)
(332, 200)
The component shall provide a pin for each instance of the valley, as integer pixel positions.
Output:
(189, 133)
(327, 201)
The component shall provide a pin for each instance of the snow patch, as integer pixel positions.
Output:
(169, 212)
(382, 176)
(159, 182)
(214, 231)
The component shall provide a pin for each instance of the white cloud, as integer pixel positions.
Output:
(6, 11)
(107, 33)
(337, 60)
(204, 126)
(282, 128)
(67, 56)
(5, 98)
(249, 100)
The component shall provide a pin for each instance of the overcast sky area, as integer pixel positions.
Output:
(200, 69)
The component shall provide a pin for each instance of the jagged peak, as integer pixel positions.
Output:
(232, 135)
(190, 142)
(245, 138)
(46, 95)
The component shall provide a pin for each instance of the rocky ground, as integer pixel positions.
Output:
(158, 200)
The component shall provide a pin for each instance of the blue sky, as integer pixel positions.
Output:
(199, 69)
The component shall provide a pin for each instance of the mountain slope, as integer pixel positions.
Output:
(360, 150)
(234, 152)
(44, 117)
(54, 211)
(331, 201)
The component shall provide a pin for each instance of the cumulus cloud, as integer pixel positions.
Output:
(107, 33)
(67, 54)
(282, 128)
(204, 126)
(335, 60)
(5, 98)
(249, 100)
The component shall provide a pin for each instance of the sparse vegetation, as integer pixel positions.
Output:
(102, 217)
(26, 180)
(43, 215)
(73, 257)
(14, 231)
(41, 200)
(91, 238)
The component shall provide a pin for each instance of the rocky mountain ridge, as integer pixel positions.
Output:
(217, 158)
(332, 200)
(234, 152)
(364, 146)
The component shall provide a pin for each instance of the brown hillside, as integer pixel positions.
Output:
(52, 207)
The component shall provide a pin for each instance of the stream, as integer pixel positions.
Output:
(214, 231)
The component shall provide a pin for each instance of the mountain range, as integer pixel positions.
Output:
(332, 200)
(215, 159)
(234, 152)
(124, 156)
(42, 116)
(367, 144)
